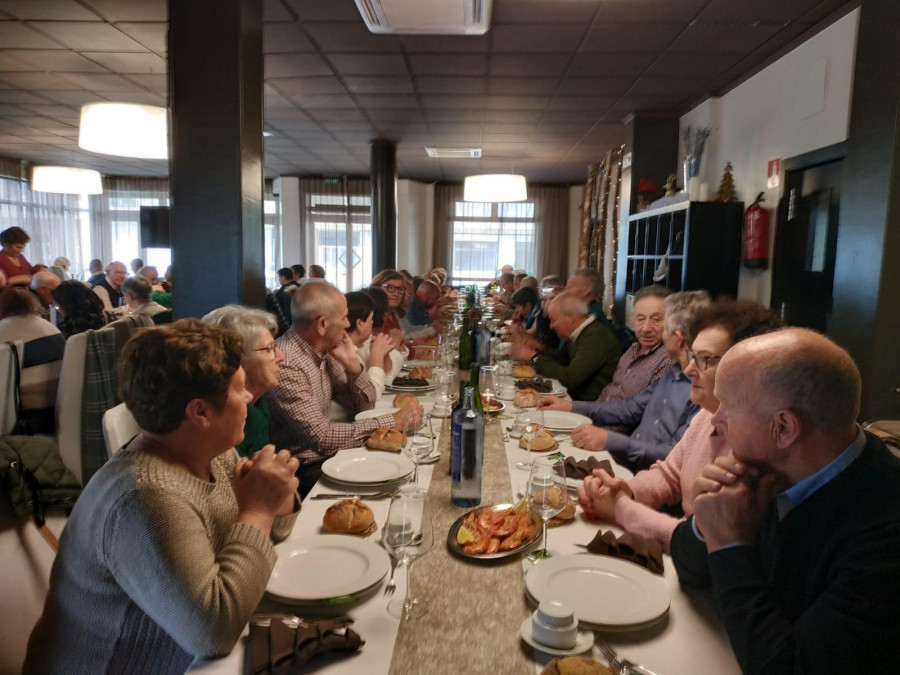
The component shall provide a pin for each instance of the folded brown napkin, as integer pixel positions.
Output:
(281, 649)
(632, 547)
(581, 468)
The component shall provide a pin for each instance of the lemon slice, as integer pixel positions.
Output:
(520, 506)
(464, 536)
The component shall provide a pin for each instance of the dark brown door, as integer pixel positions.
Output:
(806, 244)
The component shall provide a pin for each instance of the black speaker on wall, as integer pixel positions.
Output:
(155, 227)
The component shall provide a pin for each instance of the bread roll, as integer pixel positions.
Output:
(349, 516)
(564, 516)
(389, 440)
(523, 371)
(527, 398)
(543, 442)
(403, 397)
(576, 665)
(424, 373)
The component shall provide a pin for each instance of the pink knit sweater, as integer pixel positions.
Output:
(670, 480)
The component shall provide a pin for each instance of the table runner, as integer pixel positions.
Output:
(474, 608)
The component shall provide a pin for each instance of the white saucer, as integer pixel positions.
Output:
(583, 643)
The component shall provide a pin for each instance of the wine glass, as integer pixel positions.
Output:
(547, 495)
(407, 536)
(421, 445)
(489, 383)
(448, 390)
(533, 424)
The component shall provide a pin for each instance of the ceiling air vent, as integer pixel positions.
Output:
(427, 17)
(454, 153)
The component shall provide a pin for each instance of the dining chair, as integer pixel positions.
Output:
(119, 427)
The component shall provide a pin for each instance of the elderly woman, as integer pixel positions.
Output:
(261, 361)
(394, 284)
(169, 548)
(633, 504)
(79, 306)
(15, 270)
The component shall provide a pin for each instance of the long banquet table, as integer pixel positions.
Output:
(475, 609)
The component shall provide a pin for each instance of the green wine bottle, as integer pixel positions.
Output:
(465, 346)
(473, 382)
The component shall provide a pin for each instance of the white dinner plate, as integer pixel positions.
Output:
(418, 363)
(602, 591)
(374, 412)
(584, 641)
(359, 466)
(326, 566)
(414, 390)
(557, 420)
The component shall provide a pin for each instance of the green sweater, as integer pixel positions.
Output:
(256, 428)
(584, 366)
(153, 571)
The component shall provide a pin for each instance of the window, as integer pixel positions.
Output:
(488, 236)
(338, 213)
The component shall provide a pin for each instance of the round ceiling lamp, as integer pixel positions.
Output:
(66, 180)
(495, 187)
(124, 130)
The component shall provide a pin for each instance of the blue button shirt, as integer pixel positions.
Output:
(661, 413)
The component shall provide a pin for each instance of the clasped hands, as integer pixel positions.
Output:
(598, 494)
(265, 484)
(730, 498)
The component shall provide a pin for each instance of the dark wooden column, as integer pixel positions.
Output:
(866, 319)
(383, 177)
(651, 144)
(215, 153)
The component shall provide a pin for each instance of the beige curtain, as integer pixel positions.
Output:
(599, 242)
(445, 194)
(551, 212)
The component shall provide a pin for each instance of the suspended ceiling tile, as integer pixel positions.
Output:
(452, 102)
(350, 37)
(770, 11)
(606, 64)
(536, 11)
(295, 65)
(527, 65)
(37, 81)
(285, 37)
(274, 10)
(56, 60)
(154, 82)
(458, 44)
(9, 64)
(528, 39)
(717, 38)
(17, 35)
(580, 103)
(319, 10)
(88, 35)
(20, 96)
(379, 85)
(56, 10)
(100, 82)
(368, 101)
(307, 85)
(448, 64)
(512, 116)
(630, 37)
(517, 86)
(369, 64)
(594, 86)
(150, 35)
(433, 84)
(516, 102)
(129, 63)
(311, 101)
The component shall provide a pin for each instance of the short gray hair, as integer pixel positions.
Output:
(247, 322)
(138, 286)
(594, 278)
(312, 300)
(570, 304)
(681, 310)
(652, 291)
(529, 282)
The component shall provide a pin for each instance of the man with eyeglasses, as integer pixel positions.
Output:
(661, 412)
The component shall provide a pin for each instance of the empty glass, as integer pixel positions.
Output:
(489, 383)
(532, 424)
(547, 495)
(407, 536)
(421, 445)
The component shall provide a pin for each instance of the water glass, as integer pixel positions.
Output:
(547, 496)
(489, 383)
(532, 425)
(421, 445)
(407, 536)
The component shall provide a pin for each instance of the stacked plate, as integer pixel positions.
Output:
(327, 569)
(359, 467)
(559, 422)
(606, 593)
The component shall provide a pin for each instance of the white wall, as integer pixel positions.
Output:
(576, 201)
(798, 104)
(415, 226)
(288, 190)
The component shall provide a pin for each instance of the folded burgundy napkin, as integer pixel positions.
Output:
(632, 547)
(281, 649)
(581, 468)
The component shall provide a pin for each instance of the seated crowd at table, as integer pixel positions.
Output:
(751, 470)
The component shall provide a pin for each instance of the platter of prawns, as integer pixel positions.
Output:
(491, 532)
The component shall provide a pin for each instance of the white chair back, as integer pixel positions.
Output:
(68, 404)
(7, 390)
(119, 427)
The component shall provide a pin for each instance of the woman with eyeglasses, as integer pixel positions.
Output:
(633, 504)
(392, 283)
(261, 361)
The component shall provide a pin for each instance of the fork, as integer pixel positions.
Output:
(391, 584)
(621, 665)
(352, 495)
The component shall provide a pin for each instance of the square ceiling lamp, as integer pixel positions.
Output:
(124, 130)
(495, 187)
(66, 180)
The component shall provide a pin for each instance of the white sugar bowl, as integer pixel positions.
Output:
(555, 625)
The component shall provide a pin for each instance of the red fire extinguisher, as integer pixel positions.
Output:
(756, 235)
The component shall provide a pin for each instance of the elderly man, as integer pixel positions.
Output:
(42, 285)
(585, 363)
(136, 265)
(587, 284)
(661, 412)
(95, 267)
(321, 364)
(109, 289)
(798, 532)
(137, 297)
(316, 272)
